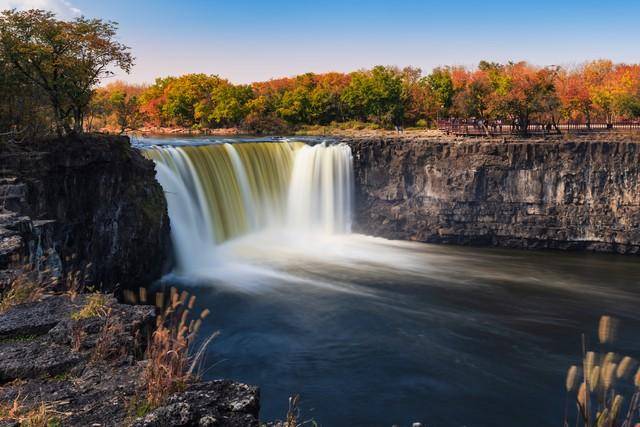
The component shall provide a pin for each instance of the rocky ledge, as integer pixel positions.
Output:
(64, 367)
(580, 195)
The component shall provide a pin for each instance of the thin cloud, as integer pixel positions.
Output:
(63, 8)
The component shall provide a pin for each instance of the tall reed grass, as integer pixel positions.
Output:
(172, 359)
(605, 387)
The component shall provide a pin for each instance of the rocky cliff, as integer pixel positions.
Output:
(86, 208)
(562, 195)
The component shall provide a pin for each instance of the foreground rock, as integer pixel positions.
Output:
(86, 371)
(88, 204)
(579, 195)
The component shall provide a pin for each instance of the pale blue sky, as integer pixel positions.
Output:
(256, 40)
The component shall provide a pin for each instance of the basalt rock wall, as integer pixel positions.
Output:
(562, 195)
(84, 209)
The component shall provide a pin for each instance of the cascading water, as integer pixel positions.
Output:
(320, 193)
(219, 192)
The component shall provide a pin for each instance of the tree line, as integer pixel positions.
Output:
(50, 71)
(517, 93)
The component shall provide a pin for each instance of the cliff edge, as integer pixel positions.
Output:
(85, 208)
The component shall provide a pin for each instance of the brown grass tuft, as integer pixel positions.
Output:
(11, 410)
(108, 345)
(96, 306)
(170, 362)
(21, 291)
(43, 415)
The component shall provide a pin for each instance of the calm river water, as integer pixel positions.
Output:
(372, 332)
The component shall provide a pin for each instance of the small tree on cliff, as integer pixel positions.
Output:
(65, 59)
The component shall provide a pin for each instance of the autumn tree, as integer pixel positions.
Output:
(473, 98)
(522, 93)
(66, 60)
(596, 77)
(625, 90)
(153, 99)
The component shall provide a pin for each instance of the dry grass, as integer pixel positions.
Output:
(31, 285)
(75, 282)
(96, 306)
(78, 336)
(22, 290)
(109, 345)
(170, 362)
(11, 410)
(599, 385)
(293, 415)
(43, 415)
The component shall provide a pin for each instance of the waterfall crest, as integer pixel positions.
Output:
(223, 191)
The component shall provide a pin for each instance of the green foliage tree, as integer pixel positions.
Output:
(441, 85)
(232, 104)
(375, 95)
(65, 60)
(24, 111)
(185, 97)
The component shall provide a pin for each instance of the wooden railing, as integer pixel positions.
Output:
(479, 128)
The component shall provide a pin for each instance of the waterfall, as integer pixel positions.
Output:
(320, 193)
(223, 191)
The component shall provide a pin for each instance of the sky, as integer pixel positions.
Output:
(247, 41)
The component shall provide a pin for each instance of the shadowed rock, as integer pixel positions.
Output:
(34, 358)
(87, 203)
(212, 403)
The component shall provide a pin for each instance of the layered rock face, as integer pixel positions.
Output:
(561, 195)
(84, 209)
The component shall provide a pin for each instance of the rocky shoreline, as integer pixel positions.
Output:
(533, 194)
(86, 371)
